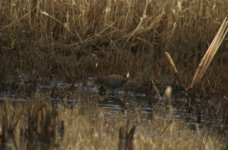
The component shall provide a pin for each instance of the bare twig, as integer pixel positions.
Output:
(156, 90)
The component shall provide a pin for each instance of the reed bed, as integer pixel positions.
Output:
(68, 38)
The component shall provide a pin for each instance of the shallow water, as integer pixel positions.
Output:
(83, 95)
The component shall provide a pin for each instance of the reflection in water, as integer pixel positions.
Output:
(113, 102)
(131, 99)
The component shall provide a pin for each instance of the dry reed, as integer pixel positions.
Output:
(210, 53)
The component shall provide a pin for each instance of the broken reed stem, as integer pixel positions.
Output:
(172, 64)
(174, 68)
(210, 53)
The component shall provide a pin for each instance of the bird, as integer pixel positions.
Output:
(113, 81)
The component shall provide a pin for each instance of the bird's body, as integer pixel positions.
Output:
(113, 81)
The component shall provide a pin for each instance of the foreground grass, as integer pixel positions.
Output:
(86, 132)
(38, 124)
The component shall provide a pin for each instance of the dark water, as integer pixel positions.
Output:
(83, 94)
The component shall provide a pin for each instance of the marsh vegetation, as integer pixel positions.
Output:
(52, 54)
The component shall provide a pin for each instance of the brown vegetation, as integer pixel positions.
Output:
(70, 40)
(119, 35)
(39, 125)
